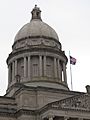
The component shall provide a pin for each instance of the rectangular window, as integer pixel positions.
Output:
(35, 69)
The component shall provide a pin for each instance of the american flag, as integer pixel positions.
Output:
(72, 60)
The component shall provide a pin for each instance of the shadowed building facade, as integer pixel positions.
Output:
(37, 78)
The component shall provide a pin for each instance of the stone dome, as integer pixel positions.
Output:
(37, 58)
(36, 28)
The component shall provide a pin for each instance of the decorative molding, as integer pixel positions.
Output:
(25, 112)
(7, 112)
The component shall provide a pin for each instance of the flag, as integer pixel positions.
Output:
(72, 60)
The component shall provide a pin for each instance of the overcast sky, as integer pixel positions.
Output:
(71, 21)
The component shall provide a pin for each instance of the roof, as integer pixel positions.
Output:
(36, 27)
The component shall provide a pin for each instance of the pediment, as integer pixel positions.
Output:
(80, 102)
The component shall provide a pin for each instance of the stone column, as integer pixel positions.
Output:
(55, 68)
(44, 65)
(9, 74)
(60, 71)
(64, 73)
(40, 65)
(29, 67)
(50, 117)
(16, 67)
(13, 71)
(66, 118)
(25, 62)
(59, 75)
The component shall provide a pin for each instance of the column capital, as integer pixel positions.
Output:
(50, 117)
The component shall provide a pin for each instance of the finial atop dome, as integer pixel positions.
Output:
(36, 13)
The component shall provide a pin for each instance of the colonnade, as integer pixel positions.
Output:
(59, 68)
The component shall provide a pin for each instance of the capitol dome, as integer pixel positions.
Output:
(36, 28)
(37, 58)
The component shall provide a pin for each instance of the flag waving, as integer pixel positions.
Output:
(72, 60)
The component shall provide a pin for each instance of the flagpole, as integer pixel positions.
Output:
(70, 73)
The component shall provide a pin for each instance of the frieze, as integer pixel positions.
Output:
(32, 42)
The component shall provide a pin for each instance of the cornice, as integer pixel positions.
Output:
(25, 112)
(37, 48)
(23, 87)
(5, 97)
(7, 112)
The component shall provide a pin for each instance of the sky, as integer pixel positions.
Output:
(71, 21)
